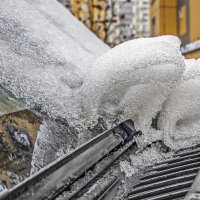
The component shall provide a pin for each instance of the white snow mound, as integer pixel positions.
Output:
(180, 116)
(45, 53)
(192, 69)
(133, 78)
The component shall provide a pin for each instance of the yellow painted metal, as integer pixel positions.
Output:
(163, 17)
(193, 54)
(14, 163)
(194, 20)
(167, 18)
(15, 113)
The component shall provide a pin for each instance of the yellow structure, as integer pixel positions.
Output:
(92, 13)
(18, 132)
(178, 17)
(163, 17)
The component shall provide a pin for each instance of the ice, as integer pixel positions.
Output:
(45, 53)
(180, 116)
(192, 69)
(141, 104)
(142, 159)
(132, 80)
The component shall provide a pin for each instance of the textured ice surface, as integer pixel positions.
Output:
(140, 160)
(192, 69)
(132, 80)
(55, 139)
(180, 116)
(50, 60)
(45, 53)
(127, 168)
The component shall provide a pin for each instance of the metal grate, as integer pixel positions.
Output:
(170, 179)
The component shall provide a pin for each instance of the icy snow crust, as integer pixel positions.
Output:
(45, 53)
(192, 70)
(180, 116)
(132, 80)
(60, 68)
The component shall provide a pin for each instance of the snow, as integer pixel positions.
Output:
(132, 80)
(58, 67)
(141, 159)
(180, 116)
(192, 69)
(45, 53)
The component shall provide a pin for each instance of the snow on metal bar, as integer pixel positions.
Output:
(170, 179)
(56, 177)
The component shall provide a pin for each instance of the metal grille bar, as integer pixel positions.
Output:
(169, 179)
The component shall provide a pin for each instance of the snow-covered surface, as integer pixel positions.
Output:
(45, 53)
(132, 80)
(192, 69)
(54, 140)
(58, 67)
(180, 116)
(140, 160)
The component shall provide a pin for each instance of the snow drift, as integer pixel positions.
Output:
(132, 80)
(180, 116)
(45, 53)
(58, 67)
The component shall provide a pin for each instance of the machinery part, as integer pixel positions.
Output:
(88, 186)
(170, 179)
(59, 175)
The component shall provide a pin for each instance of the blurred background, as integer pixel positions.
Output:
(116, 21)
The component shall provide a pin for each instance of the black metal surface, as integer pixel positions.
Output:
(89, 183)
(170, 179)
(55, 178)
